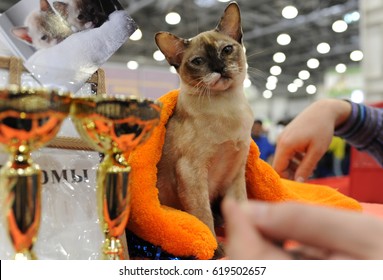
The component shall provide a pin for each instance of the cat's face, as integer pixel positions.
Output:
(43, 28)
(213, 60)
(81, 14)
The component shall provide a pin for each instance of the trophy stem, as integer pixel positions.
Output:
(113, 203)
(21, 180)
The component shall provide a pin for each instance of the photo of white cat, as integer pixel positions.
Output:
(43, 27)
(63, 42)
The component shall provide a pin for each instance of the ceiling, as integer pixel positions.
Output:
(262, 22)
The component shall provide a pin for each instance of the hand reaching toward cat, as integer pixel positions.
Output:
(255, 231)
(305, 140)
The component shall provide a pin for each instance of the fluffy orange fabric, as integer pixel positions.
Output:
(182, 234)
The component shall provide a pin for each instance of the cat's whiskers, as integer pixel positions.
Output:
(257, 72)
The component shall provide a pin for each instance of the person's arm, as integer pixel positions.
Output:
(307, 137)
(256, 230)
(363, 130)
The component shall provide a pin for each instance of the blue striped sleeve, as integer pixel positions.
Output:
(363, 130)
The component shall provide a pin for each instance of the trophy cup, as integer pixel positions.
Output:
(114, 125)
(29, 118)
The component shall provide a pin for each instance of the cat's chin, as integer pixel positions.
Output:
(220, 84)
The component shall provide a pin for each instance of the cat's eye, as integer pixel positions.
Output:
(228, 49)
(80, 17)
(44, 37)
(198, 61)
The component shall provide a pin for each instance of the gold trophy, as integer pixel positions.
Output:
(114, 125)
(29, 119)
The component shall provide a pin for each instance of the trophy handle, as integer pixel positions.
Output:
(113, 203)
(21, 181)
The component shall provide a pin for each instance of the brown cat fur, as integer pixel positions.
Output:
(208, 137)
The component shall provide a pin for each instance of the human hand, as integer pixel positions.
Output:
(255, 230)
(306, 139)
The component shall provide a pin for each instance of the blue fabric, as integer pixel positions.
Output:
(265, 147)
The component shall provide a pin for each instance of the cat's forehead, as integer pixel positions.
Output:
(211, 38)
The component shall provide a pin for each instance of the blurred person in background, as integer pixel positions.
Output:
(266, 149)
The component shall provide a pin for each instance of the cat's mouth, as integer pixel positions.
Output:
(217, 81)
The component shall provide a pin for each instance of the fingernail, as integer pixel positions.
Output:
(300, 179)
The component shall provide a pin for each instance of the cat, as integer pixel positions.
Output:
(43, 28)
(81, 14)
(208, 136)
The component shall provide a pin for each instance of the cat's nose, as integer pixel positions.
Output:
(218, 68)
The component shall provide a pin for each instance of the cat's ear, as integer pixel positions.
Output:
(22, 34)
(45, 6)
(61, 8)
(171, 46)
(230, 23)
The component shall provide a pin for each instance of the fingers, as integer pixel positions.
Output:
(282, 160)
(300, 165)
(307, 164)
(345, 233)
(243, 240)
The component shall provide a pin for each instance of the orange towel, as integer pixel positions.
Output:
(182, 234)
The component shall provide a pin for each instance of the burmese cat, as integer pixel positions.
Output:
(43, 28)
(81, 14)
(208, 137)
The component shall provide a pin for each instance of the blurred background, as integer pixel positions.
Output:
(298, 51)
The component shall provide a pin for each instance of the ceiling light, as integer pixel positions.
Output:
(352, 17)
(298, 82)
(267, 94)
(279, 57)
(323, 48)
(223, 1)
(132, 65)
(137, 35)
(173, 18)
(289, 12)
(283, 39)
(311, 89)
(313, 63)
(275, 70)
(304, 74)
(357, 96)
(292, 88)
(340, 68)
(272, 79)
(247, 83)
(339, 26)
(356, 55)
(271, 86)
(158, 55)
